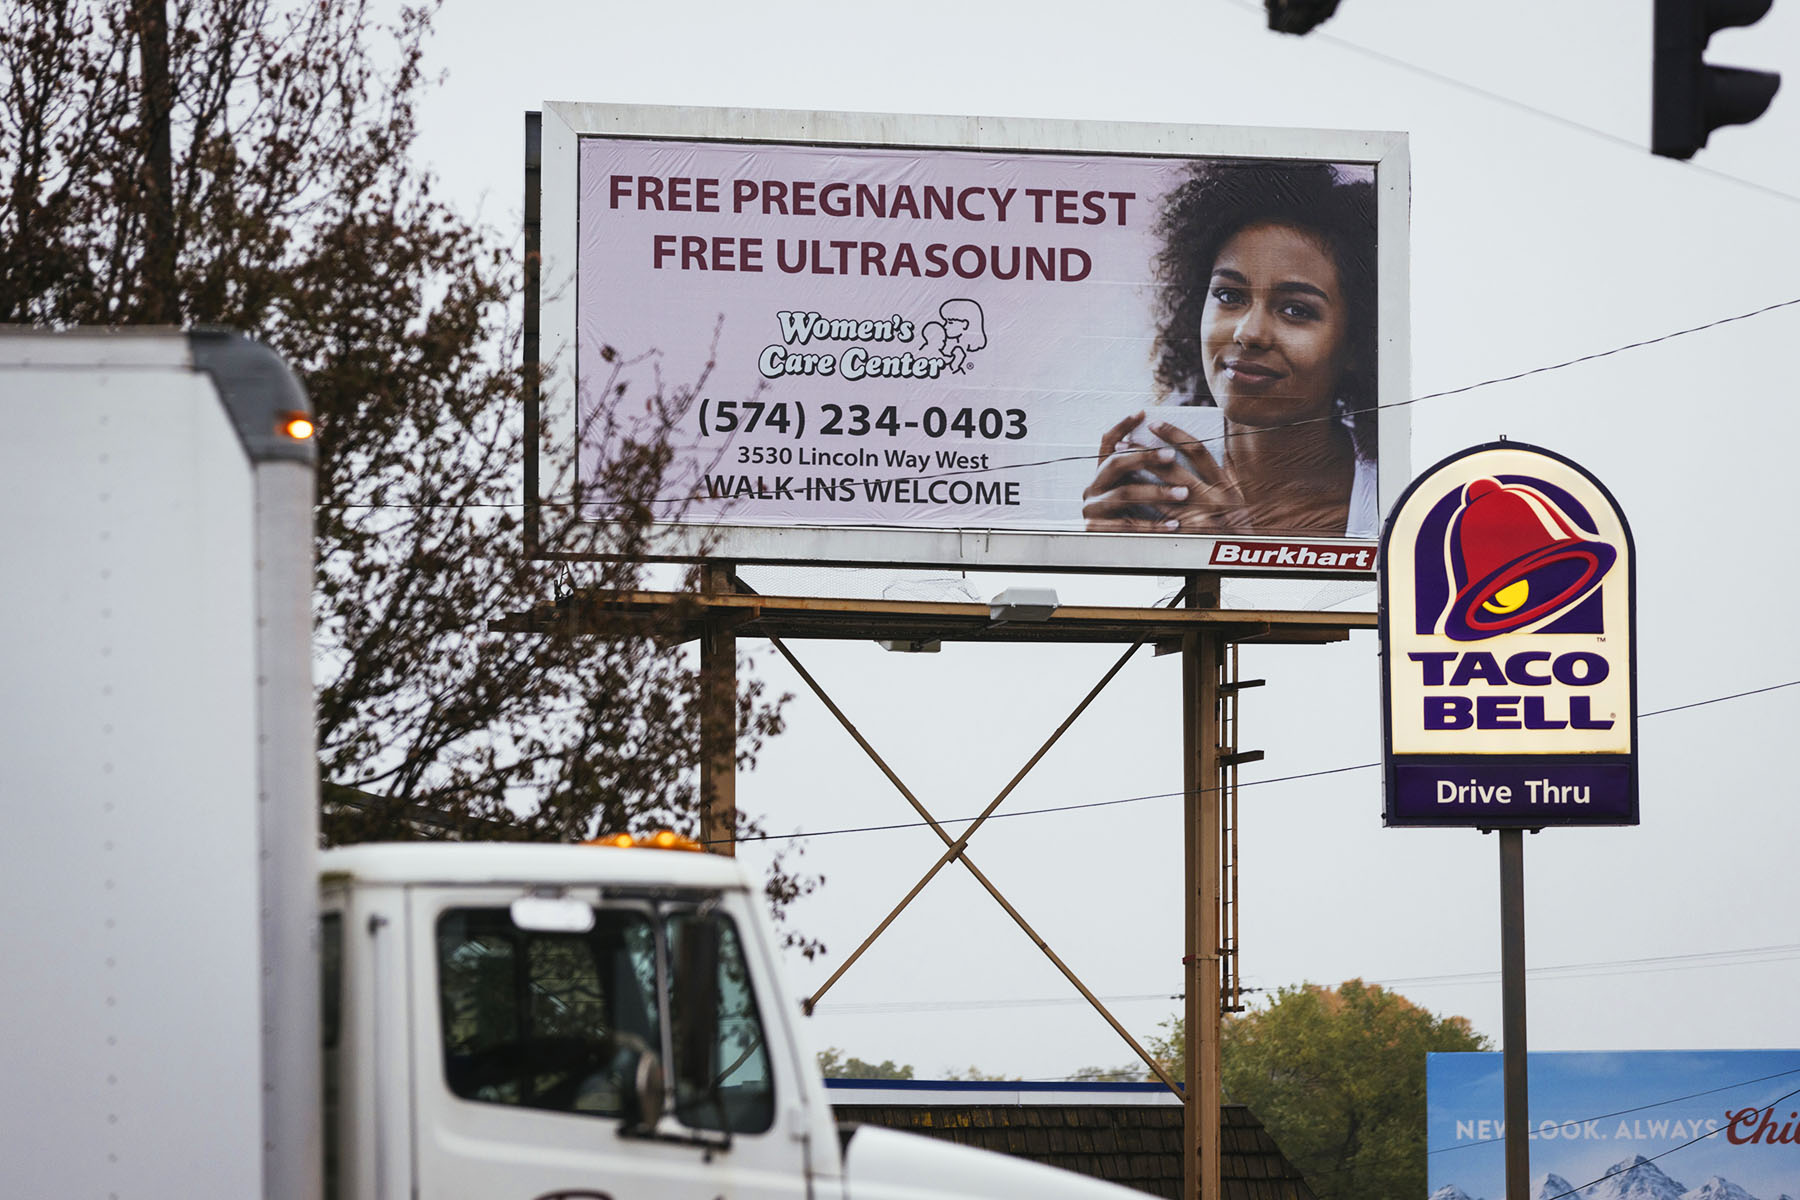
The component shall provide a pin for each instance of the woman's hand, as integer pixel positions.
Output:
(1143, 489)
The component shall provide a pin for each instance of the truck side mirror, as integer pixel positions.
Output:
(648, 1094)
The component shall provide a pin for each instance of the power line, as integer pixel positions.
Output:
(890, 1007)
(1747, 956)
(1757, 312)
(1744, 956)
(1543, 113)
(1066, 458)
(1249, 783)
(1773, 687)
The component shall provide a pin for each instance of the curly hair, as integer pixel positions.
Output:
(1218, 200)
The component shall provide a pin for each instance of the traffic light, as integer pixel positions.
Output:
(1689, 97)
(1297, 16)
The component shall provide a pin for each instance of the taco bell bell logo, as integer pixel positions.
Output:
(1506, 623)
(1517, 560)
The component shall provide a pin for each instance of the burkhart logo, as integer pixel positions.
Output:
(1517, 561)
(1299, 556)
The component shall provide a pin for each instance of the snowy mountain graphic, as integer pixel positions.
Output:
(1718, 1188)
(1634, 1178)
(1549, 1187)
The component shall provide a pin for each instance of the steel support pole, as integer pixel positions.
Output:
(1512, 1013)
(718, 724)
(1200, 659)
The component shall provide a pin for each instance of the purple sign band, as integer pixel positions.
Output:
(1522, 792)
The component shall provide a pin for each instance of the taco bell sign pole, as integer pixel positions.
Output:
(1509, 680)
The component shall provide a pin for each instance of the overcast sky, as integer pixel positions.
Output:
(1543, 231)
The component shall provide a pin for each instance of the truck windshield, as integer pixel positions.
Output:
(546, 1020)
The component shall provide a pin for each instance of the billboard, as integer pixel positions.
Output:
(1508, 650)
(969, 342)
(1627, 1125)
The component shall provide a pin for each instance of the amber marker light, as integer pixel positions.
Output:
(665, 840)
(298, 426)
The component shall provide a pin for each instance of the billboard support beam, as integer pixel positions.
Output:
(687, 615)
(1512, 1013)
(718, 722)
(1200, 668)
(1206, 634)
(530, 327)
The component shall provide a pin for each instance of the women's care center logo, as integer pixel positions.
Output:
(947, 344)
(1509, 554)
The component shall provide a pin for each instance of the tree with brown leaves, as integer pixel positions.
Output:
(246, 163)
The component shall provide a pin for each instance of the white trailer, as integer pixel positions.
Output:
(162, 1016)
(202, 1004)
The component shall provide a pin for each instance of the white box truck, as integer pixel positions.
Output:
(201, 1004)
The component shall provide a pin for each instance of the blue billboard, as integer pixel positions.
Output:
(1627, 1125)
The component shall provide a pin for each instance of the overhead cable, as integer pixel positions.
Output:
(1045, 462)
(1248, 783)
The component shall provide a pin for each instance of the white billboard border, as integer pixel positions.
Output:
(564, 124)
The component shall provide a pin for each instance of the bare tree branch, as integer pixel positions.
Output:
(292, 210)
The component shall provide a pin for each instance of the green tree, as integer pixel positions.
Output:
(1129, 1073)
(1337, 1076)
(1170, 1047)
(248, 163)
(977, 1075)
(833, 1065)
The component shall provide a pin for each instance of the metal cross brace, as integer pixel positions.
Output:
(956, 848)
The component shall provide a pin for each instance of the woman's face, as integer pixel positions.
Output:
(1275, 327)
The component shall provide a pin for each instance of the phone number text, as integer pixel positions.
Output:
(790, 419)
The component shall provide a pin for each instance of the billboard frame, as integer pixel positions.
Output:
(552, 197)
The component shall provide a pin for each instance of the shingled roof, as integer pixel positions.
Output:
(1123, 1133)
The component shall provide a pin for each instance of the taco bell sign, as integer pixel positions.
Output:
(1508, 657)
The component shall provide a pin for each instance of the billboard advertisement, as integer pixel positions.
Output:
(1508, 660)
(913, 341)
(1627, 1125)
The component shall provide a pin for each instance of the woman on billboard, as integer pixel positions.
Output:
(1266, 352)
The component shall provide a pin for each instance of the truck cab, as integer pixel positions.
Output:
(556, 1015)
(589, 1022)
